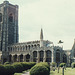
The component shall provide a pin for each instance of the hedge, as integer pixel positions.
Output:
(73, 65)
(62, 64)
(40, 69)
(53, 64)
(44, 64)
(15, 68)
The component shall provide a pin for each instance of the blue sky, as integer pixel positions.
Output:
(56, 17)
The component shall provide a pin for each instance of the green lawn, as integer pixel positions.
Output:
(21, 73)
(68, 71)
(18, 73)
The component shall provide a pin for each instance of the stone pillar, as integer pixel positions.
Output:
(52, 54)
(18, 58)
(31, 57)
(24, 58)
(38, 57)
(44, 59)
(60, 57)
(11, 58)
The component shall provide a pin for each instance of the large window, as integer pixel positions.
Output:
(58, 56)
(10, 18)
(48, 56)
(0, 17)
(64, 58)
(41, 56)
(34, 56)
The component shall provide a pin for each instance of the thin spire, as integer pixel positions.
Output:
(74, 40)
(41, 34)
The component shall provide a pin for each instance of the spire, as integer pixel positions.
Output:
(73, 45)
(41, 34)
(74, 40)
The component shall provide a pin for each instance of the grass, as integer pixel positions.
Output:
(18, 73)
(21, 73)
(68, 71)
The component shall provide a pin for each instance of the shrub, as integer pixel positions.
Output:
(2, 69)
(62, 64)
(44, 64)
(18, 67)
(39, 70)
(73, 65)
(53, 64)
(9, 69)
(27, 65)
(6, 63)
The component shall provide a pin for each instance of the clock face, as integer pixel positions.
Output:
(0, 17)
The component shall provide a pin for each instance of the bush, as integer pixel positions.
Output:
(9, 69)
(6, 63)
(27, 65)
(62, 64)
(2, 70)
(53, 64)
(44, 64)
(73, 65)
(39, 70)
(18, 67)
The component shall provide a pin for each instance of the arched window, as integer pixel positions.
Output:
(41, 55)
(11, 18)
(64, 58)
(57, 56)
(0, 17)
(48, 56)
(34, 56)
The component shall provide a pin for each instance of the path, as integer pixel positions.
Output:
(27, 73)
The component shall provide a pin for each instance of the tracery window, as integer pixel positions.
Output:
(11, 18)
(58, 56)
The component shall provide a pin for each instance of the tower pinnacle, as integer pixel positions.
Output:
(41, 34)
(41, 38)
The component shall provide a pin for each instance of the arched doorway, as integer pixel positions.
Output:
(34, 56)
(27, 58)
(48, 56)
(41, 55)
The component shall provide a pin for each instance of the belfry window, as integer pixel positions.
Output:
(0, 17)
(10, 18)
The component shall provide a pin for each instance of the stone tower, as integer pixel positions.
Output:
(41, 38)
(8, 27)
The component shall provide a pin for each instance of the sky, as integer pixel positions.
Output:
(55, 17)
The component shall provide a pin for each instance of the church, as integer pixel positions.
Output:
(32, 51)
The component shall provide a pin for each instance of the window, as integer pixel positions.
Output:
(0, 17)
(10, 18)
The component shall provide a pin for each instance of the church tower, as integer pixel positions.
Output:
(41, 38)
(8, 25)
